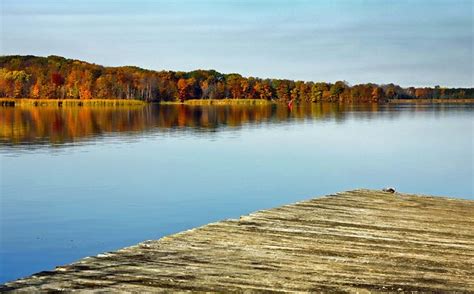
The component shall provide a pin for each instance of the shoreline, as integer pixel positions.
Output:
(432, 101)
(201, 102)
(69, 102)
(224, 101)
(227, 101)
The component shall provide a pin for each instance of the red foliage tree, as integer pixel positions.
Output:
(57, 79)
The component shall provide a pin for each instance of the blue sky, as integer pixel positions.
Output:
(419, 43)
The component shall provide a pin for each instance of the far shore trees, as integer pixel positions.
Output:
(56, 77)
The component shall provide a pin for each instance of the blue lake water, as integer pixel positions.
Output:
(79, 181)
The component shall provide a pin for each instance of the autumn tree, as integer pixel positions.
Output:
(183, 88)
(234, 84)
(337, 89)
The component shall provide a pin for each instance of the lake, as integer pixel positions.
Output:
(78, 181)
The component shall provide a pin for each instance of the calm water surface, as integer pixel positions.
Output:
(79, 181)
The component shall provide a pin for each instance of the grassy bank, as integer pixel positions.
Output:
(223, 102)
(68, 102)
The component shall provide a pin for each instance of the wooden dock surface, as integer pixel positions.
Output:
(360, 240)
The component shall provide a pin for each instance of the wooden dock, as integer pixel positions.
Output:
(356, 241)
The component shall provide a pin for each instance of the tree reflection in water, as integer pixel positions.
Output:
(45, 125)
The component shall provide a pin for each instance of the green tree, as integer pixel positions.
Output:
(337, 89)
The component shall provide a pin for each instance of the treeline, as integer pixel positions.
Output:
(61, 78)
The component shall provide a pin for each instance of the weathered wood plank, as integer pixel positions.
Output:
(352, 241)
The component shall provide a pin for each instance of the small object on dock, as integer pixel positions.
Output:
(389, 190)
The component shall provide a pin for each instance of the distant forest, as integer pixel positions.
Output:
(60, 78)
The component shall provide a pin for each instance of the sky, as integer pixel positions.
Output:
(407, 42)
